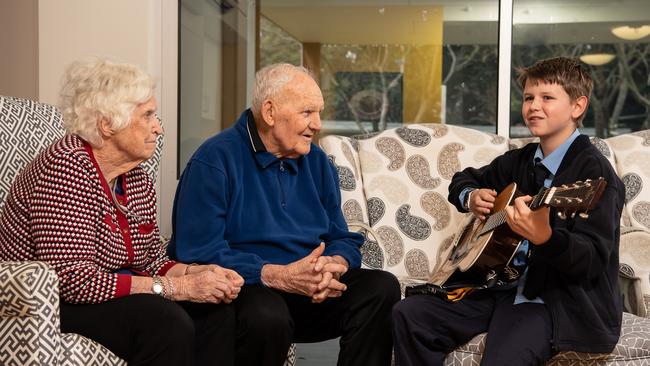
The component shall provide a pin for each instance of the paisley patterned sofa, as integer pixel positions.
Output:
(394, 189)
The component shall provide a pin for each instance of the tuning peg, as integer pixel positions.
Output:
(564, 186)
(579, 182)
(584, 215)
(561, 215)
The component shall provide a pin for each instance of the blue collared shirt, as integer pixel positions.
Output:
(239, 206)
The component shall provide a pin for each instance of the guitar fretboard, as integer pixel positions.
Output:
(497, 219)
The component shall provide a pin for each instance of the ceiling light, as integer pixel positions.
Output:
(597, 59)
(631, 33)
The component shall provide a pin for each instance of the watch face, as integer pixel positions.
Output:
(157, 288)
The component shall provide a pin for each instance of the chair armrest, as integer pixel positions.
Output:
(29, 314)
(634, 270)
(26, 288)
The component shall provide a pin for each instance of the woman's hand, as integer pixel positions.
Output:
(208, 283)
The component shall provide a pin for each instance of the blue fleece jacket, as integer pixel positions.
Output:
(240, 207)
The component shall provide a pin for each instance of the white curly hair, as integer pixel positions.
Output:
(100, 88)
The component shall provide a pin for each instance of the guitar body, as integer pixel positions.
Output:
(483, 250)
(492, 249)
(476, 253)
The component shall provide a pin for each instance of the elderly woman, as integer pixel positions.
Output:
(86, 207)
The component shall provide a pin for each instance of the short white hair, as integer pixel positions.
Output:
(99, 88)
(270, 80)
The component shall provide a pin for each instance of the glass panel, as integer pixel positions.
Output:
(212, 86)
(382, 64)
(276, 45)
(620, 101)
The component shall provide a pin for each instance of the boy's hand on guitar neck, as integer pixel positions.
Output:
(532, 225)
(481, 202)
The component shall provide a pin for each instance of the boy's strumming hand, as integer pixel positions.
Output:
(481, 202)
(532, 225)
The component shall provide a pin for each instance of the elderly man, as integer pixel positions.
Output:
(261, 199)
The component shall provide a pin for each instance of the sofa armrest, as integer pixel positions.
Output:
(29, 314)
(634, 270)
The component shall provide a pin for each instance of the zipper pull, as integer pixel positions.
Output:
(281, 166)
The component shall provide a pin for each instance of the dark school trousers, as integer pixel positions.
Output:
(426, 328)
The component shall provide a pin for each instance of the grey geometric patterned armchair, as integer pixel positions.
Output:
(30, 331)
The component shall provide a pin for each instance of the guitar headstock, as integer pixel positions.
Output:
(569, 199)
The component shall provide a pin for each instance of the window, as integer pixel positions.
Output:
(611, 37)
(276, 45)
(212, 70)
(383, 65)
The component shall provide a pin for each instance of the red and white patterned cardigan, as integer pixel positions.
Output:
(59, 211)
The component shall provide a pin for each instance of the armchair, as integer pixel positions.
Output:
(30, 332)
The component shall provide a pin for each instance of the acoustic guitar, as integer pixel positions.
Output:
(484, 250)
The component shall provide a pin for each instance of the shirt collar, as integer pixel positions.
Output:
(262, 156)
(553, 160)
(253, 136)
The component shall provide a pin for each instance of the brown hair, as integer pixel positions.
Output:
(566, 72)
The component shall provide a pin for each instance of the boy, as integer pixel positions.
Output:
(567, 297)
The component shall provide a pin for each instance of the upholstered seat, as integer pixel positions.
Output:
(394, 187)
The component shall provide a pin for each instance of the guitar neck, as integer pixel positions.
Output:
(576, 197)
(497, 219)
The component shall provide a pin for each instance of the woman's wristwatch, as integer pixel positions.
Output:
(158, 288)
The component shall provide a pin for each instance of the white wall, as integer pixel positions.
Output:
(19, 48)
(142, 32)
(70, 30)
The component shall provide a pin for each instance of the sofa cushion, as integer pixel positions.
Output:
(632, 153)
(633, 348)
(27, 128)
(80, 351)
(406, 173)
(343, 153)
(29, 314)
(635, 264)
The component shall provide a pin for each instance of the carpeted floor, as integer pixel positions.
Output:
(317, 354)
